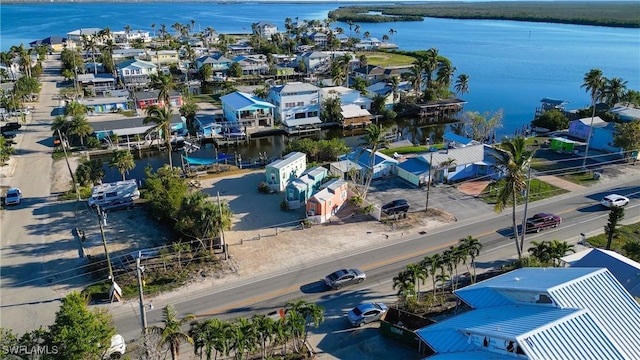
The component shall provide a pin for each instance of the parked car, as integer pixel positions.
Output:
(121, 204)
(395, 207)
(614, 200)
(366, 313)
(117, 349)
(8, 136)
(340, 278)
(11, 126)
(13, 196)
(542, 221)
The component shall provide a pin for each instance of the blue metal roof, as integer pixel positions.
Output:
(239, 101)
(414, 166)
(457, 138)
(472, 355)
(625, 270)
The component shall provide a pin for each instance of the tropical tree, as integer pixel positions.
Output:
(122, 160)
(338, 75)
(74, 108)
(392, 32)
(611, 229)
(161, 116)
(418, 274)
(627, 136)
(462, 84)
(513, 161)
(80, 127)
(206, 335)
(614, 90)
(170, 332)
(165, 85)
(77, 332)
(308, 313)
(332, 109)
(394, 82)
(594, 83)
(432, 264)
(553, 120)
(6, 150)
(60, 125)
(471, 248)
(89, 172)
(541, 251)
(405, 284)
(265, 327)
(480, 126)
(559, 249)
(373, 139)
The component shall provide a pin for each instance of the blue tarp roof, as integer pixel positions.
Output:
(200, 161)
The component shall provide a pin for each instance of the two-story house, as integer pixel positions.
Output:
(314, 61)
(136, 72)
(125, 37)
(76, 38)
(144, 99)
(297, 104)
(299, 190)
(280, 172)
(252, 64)
(217, 61)
(332, 197)
(163, 57)
(53, 43)
(347, 96)
(242, 110)
(264, 29)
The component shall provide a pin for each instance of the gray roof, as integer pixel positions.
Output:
(467, 155)
(288, 159)
(597, 122)
(136, 122)
(294, 87)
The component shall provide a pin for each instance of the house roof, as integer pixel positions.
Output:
(315, 54)
(135, 63)
(335, 91)
(554, 102)
(624, 269)
(93, 101)
(288, 159)
(239, 100)
(351, 111)
(458, 138)
(84, 31)
(153, 94)
(597, 122)
(308, 177)
(120, 126)
(52, 40)
(95, 78)
(626, 113)
(549, 313)
(294, 87)
(471, 154)
(345, 165)
(302, 122)
(414, 166)
(363, 158)
(329, 189)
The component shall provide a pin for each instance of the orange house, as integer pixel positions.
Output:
(328, 201)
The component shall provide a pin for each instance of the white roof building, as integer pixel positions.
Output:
(541, 313)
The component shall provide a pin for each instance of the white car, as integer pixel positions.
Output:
(117, 349)
(13, 197)
(614, 200)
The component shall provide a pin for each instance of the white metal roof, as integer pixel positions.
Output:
(301, 122)
(288, 159)
(351, 111)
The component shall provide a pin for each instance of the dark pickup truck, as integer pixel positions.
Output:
(542, 221)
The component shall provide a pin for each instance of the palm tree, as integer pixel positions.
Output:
(74, 108)
(337, 74)
(472, 249)
(614, 91)
(164, 84)
(462, 84)
(295, 324)
(80, 127)
(206, 335)
(89, 43)
(559, 249)
(432, 264)
(153, 28)
(445, 74)
(431, 62)
(366, 35)
(312, 313)
(170, 333)
(373, 139)
(513, 161)
(405, 284)
(541, 251)
(394, 82)
(60, 125)
(392, 32)
(161, 116)
(245, 337)
(594, 83)
(265, 330)
(123, 161)
(418, 274)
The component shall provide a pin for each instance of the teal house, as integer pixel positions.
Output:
(279, 173)
(299, 190)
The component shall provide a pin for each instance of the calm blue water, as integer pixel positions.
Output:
(511, 65)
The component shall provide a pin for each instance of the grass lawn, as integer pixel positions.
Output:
(387, 59)
(538, 190)
(207, 98)
(627, 233)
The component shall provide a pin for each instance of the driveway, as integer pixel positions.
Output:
(444, 197)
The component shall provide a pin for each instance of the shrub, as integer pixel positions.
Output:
(284, 205)
(263, 188)
(356, 200)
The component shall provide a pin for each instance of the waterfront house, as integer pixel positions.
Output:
(625, 113)
(75, 37)
(135, 73)
(163, 57)
(384, 89)
(580, 128)
(217, 61)
(455, 164)
(368, 44)
(354, 116)
(242, 110)
(128, 54)
(379, 164)
(240, 48)
(264, 29)
(97, 84)
(280, 172)
(314, 61)
(208, 124)
(252, 64)
(128, 130)
(299, 190)
(144, 99)
(452, 140)
(347, 96)
(125, 37)
(53, 43)
(324, 204)
(105, 104)
(374, 74)
(297, 105)
(319, 38)
(539, 313)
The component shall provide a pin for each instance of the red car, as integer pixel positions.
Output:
(542, 221)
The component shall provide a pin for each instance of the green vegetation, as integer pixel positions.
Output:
(626, 241)
(387, 58)
(603, 13)
(318, 150)
(539, 190)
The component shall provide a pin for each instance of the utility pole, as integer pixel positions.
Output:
(143, 313)
(526, 204)
(102, 219)
(222, 240)
(426, 207)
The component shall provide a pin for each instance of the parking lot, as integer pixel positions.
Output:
(443, 197)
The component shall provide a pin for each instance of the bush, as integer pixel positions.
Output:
(263, 188)
(356, 200)
(284, 205)
(551, 119)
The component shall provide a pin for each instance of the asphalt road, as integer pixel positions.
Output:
(27, 265)
(265, 292)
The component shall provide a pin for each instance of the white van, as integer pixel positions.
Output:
(115, 192)
(117, 349)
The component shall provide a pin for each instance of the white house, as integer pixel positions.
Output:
(314, 60)
(347, 96)
(264, 29)
(280, 172)
(136, 72)
(540, 313)
(297, 104)
(75, 37)
(125, 37)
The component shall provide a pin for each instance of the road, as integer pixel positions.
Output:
(28, 259)
(580, 211)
